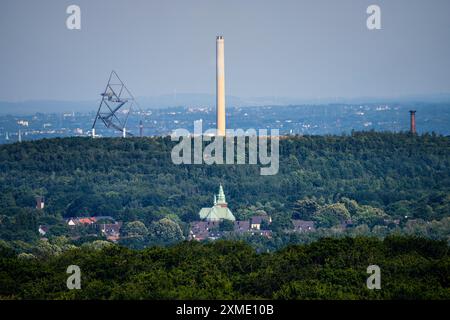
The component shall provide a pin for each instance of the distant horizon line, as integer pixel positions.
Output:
(198, 100)
(326, 99)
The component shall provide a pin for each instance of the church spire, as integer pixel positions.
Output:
(221, 197)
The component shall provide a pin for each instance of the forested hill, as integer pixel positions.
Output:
(135, 179)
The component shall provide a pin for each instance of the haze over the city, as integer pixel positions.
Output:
(288, 49)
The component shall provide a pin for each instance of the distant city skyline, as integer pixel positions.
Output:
(293, 50)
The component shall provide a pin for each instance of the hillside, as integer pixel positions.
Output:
(406, 177)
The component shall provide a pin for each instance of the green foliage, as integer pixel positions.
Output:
(412, 268)
(369, 215)
(135, 229)
(135, 179)
(226, 225)
(97, 244)
(384, 183)
(305, 209)
(281, 222)
(332, 215)
(165, 231)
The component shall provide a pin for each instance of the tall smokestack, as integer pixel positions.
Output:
(141, 129)
(413, 121)
(220, 86)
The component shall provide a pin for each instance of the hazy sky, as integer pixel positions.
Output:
(304, 49)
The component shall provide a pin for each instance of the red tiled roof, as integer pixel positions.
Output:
(86, 220)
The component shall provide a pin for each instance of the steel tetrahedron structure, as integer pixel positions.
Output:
(116, 105)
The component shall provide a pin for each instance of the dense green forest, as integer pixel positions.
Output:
(387, 189)
(370, 178)
(411, 268)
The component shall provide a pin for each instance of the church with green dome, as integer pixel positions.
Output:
(219, 211)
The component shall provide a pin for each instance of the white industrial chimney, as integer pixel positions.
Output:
(220, 86)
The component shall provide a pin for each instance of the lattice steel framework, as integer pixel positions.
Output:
(116, 105)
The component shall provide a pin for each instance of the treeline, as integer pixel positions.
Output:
(411, 268)
(437, 230)
(394, 176)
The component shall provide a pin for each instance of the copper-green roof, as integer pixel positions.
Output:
(219, 211)
(216, 213)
